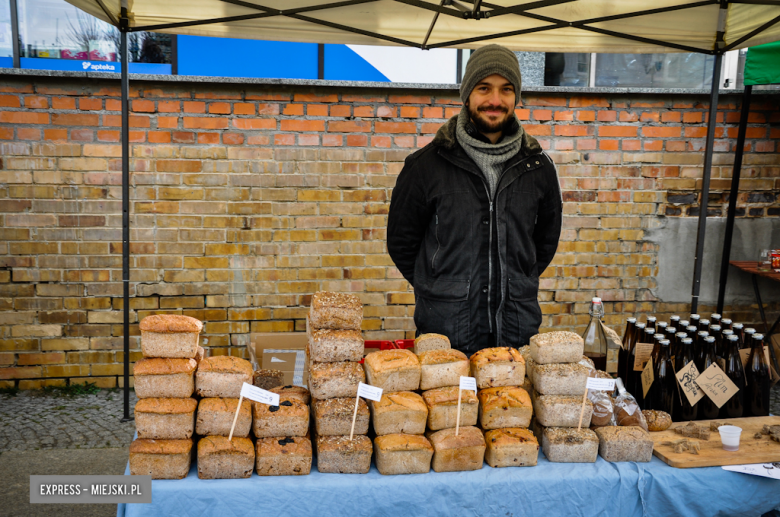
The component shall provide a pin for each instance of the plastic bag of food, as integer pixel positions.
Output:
(627, 410)
(603, 408)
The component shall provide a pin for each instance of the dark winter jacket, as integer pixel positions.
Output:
(475, 263)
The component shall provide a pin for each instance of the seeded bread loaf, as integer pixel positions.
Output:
(657, 420)
(289, 418)
(569, 445)
(222, 376)
(267, 379)
(298, 392)
(428, 342)
(283, 456)
(165, 418)
(511, 447)
(457, 453)
(500, 366)
(401, 412)
(560, 379)
(630, 443)
(340, 455)
(442, 368)
(333, 417)
(164, 378)
(161, 459)
(393, 370)
(215, 417)
(506, 406)
(335, 311)
(556, 347)
(561, 410)
(442, 406)
(403, 454)
(170, 335)
(334, 380)
(220, 458)
(332, 346)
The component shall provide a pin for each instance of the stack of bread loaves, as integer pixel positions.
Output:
(335, 347)
(560, 381)
(164, 383)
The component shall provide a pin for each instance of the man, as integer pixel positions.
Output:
(476, 216)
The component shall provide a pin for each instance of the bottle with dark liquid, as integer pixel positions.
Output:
(726, 324)
(595, 340)
(757, 379)
(651, 322)
(674, 321)
(628, 343)
(708, 410)
(678, 346)
(694, 319)
(739, 331)
(735, 407)
(699, 350)
(683, 411)
(715, 319)
(663, 389)
(630, 378)
(658, 337)
(719, 353)
(747, 337)
(661, 327)
(724, 343)
(704, 325)
(684, 324)
(638, 392)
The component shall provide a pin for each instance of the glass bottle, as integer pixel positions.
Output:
(747, 337)
(694, 319)
(628, 343)
(726, 324)
(595, 340)
(757, 379)
(661, 327)
(699, 350)
(684, 324)
(735, 406)
(651, 322)
(674, 321)
(678, 345)
(724, 343)
(663, 387)
(739, 331)
(636, 390)
(719, 353)
(683, 411)
(715, 319)
(704, 325)
(708, 410)
(657, 337)
(633, 378)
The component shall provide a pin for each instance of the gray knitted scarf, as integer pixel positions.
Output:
(490, 158)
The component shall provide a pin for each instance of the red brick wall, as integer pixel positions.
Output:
(246, 199)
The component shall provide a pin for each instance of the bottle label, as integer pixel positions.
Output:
(643, 352)
(648, 376)
(744, 355)
(686, 378)
(716, 385)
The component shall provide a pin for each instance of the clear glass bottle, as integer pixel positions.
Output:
(595, 340)
(757, 379)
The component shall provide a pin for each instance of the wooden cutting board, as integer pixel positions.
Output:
(751, 450)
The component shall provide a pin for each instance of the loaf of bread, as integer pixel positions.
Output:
(560, 379)
(333, 417)
(511, 447)
(220, 458)
(332, 346)
(557, 347)
(494, 367)
(401, 412)
(569, 445)
(267, 379)
(393, 370)
(506, 406)
(334, 380)
(561, 410)
(215, 417)
(428, 342)
(283, 456)
(618, 443)
(403, 454)
(165, 419)
(657, 420)
(442, 368)
(335, 311)
(340, 455)
(298, 392)
(222, 376)
(170, 335)
(289, 418)
(200, 354)
(164, 378)
(161, 459)
(442, 404)
(466, 451)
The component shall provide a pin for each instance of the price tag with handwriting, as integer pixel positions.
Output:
(595, 383)
(647, 377)
(643, 353)
(716, 385)
(686, 378)
(369, 392)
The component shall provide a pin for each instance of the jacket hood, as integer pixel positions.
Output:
(445, 137)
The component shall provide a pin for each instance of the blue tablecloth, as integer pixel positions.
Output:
(548, 490)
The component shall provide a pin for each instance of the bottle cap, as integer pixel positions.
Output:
(675, 318)
(687, 341)
(750, 331)
(726, 321)
(737, 325)
(732, 337)
(671, 331)
(695, 316)
(728, 332)
(596, 300)
(664, 342)
(702, 333)
(681, 335)
(758, 337)
(632, 320)
(692, 329)
(659, 337)
(715, 316)
(640, 325)
(704, 322)
(684, 323)
(662, 324)
(709, 339)
(652, 318)
(715, 328)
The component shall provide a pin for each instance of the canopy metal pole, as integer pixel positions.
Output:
(732, 211)
(705, 186)
(123, 24)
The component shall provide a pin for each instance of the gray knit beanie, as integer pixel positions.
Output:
(489, 60)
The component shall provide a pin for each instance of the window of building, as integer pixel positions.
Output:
(654, 70)
(6, 43)
(566, 69)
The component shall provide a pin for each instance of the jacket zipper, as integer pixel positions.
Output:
(438, 244)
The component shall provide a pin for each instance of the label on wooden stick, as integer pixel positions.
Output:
(259, 395)
(716, 385)
(468, 383)
(643, 353)
(369, 392)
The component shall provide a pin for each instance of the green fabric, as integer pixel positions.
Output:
(762, 65)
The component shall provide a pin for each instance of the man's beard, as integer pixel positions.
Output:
(486, 126)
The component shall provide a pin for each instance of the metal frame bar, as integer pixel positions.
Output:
(751, 34)
(125, 79)
(356, 31)
(494, 36)
(15, 34)
(646, 40)
(320, 61)
(108, 13)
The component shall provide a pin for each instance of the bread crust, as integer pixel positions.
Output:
(170, 323)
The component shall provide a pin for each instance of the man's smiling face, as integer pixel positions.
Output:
(491, 104)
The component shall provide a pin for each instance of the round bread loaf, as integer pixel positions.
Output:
(657, 420)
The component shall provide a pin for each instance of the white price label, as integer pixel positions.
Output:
(595, 383)
(369, 392)
(468, 383)
(259, 395)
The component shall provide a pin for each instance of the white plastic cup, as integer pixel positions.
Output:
(729, 437)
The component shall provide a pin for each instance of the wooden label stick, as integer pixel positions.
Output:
(366, 391)
(582, 409)
(235, 418)
(466, 383)
(256, 394)
(354, 417)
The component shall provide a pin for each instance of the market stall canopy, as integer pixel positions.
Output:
(620, 26)
(762, 65)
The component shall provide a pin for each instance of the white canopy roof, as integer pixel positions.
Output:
(620, 26)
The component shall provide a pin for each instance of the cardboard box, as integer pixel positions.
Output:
(283, 351)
